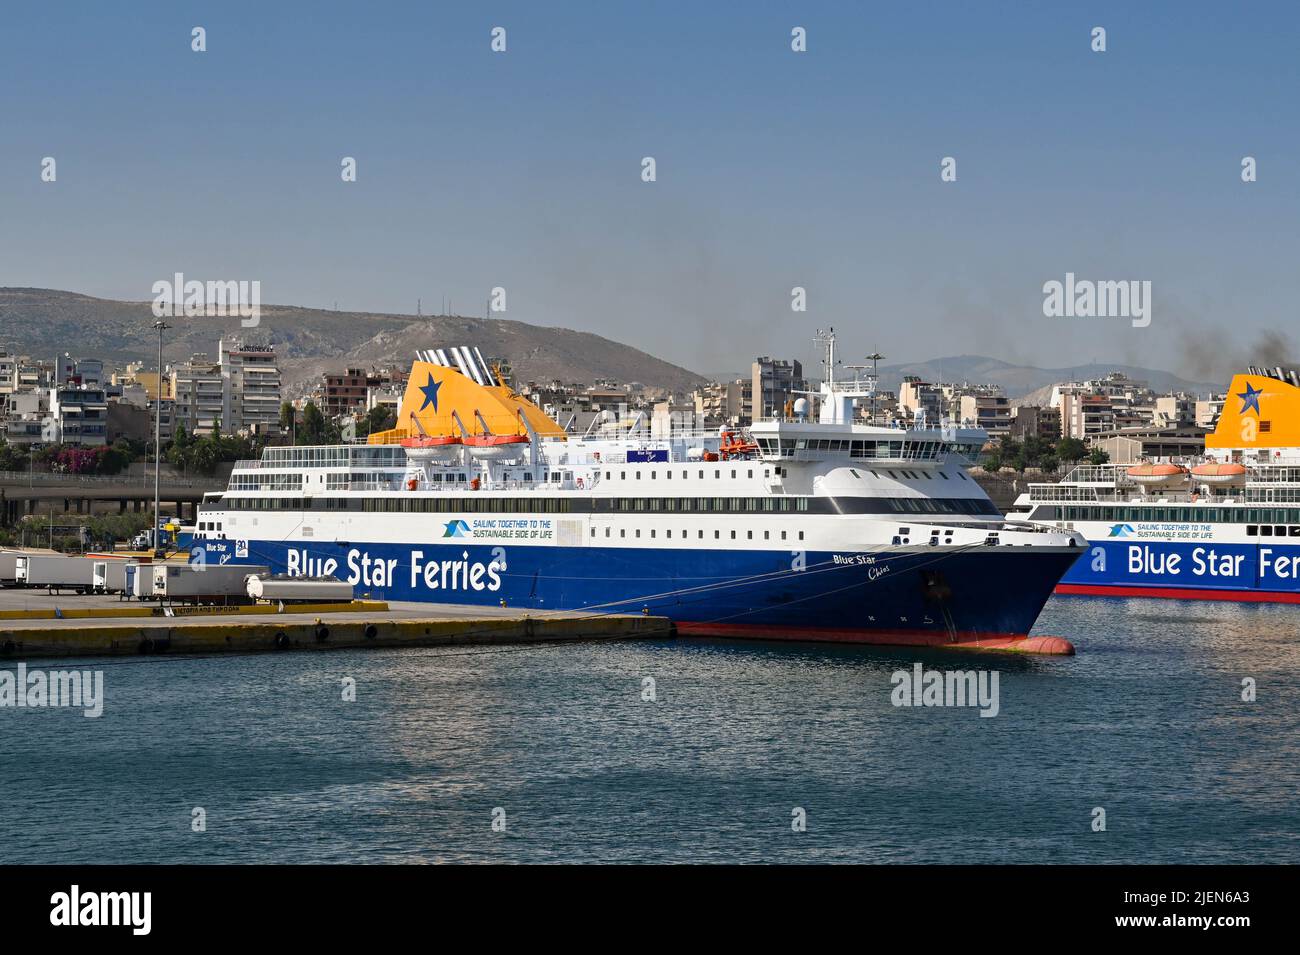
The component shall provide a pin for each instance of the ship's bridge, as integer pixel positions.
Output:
(803, 441)
(836, 434)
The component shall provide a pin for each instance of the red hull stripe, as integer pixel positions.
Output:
(962, 640)
(1179, 593)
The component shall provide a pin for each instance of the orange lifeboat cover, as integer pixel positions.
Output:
(494, 440)
(1219, 469)
(1156, 470)
(430, 441)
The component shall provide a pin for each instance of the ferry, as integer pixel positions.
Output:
(1222, 526)
(825, 529)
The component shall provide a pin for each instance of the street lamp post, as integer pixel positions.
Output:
(875, 379)
(157, 443)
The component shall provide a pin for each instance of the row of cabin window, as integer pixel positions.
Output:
(685, 534)
(1179, 515)
(327, 455)
(749, 473)
(686, 473)
(602, 505)
(856, 449)
(523, 505)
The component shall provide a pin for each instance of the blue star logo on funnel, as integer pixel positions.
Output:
(430, 393)
(1250, 398)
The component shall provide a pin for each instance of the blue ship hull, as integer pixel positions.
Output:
(1264, 572)
(982, 596)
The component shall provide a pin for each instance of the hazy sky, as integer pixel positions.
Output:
(775, 169)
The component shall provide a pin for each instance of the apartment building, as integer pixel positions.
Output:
(725, 402)
(920, 398)
(1084, 414)
(773, 382)
(251, 378)
(987, 408)
(76, 416)
(199, 395)
(1032, 421)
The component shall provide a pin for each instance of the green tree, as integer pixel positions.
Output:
(316, 428)
(11, 458)
(378, 418)
(113, 460)
(1033, 450)
(1098, 456)
(1071, 450)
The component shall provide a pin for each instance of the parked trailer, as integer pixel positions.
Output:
(110, 576)
(138, 584)
(8, 568)
(204, 583)
(55, 572)
(282, 587)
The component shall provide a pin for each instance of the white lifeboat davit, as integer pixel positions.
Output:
(1158, 475)
(1220, 473)
(429, 448)
(494, 447)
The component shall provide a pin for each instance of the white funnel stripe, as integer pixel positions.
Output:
(460, 362)
(487, 372)
(473, 365)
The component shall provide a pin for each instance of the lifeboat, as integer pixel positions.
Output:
(733, 445)
(492, 447)
(1158, 475)
(1220, 473)
(428, 448)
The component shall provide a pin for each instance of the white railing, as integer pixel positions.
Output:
(1057, 492)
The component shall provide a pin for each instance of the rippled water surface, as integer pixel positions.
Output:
(1147, 722)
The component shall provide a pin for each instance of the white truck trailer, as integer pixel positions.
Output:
(138, 583)
(8, 568)
(110, 575)
(55, 572)
(204, 583)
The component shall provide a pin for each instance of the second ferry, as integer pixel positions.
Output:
(1222, 526)
(801, 529)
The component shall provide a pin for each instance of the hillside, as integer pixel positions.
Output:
(45, 322)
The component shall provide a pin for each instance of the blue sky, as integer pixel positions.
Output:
(775, 169)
